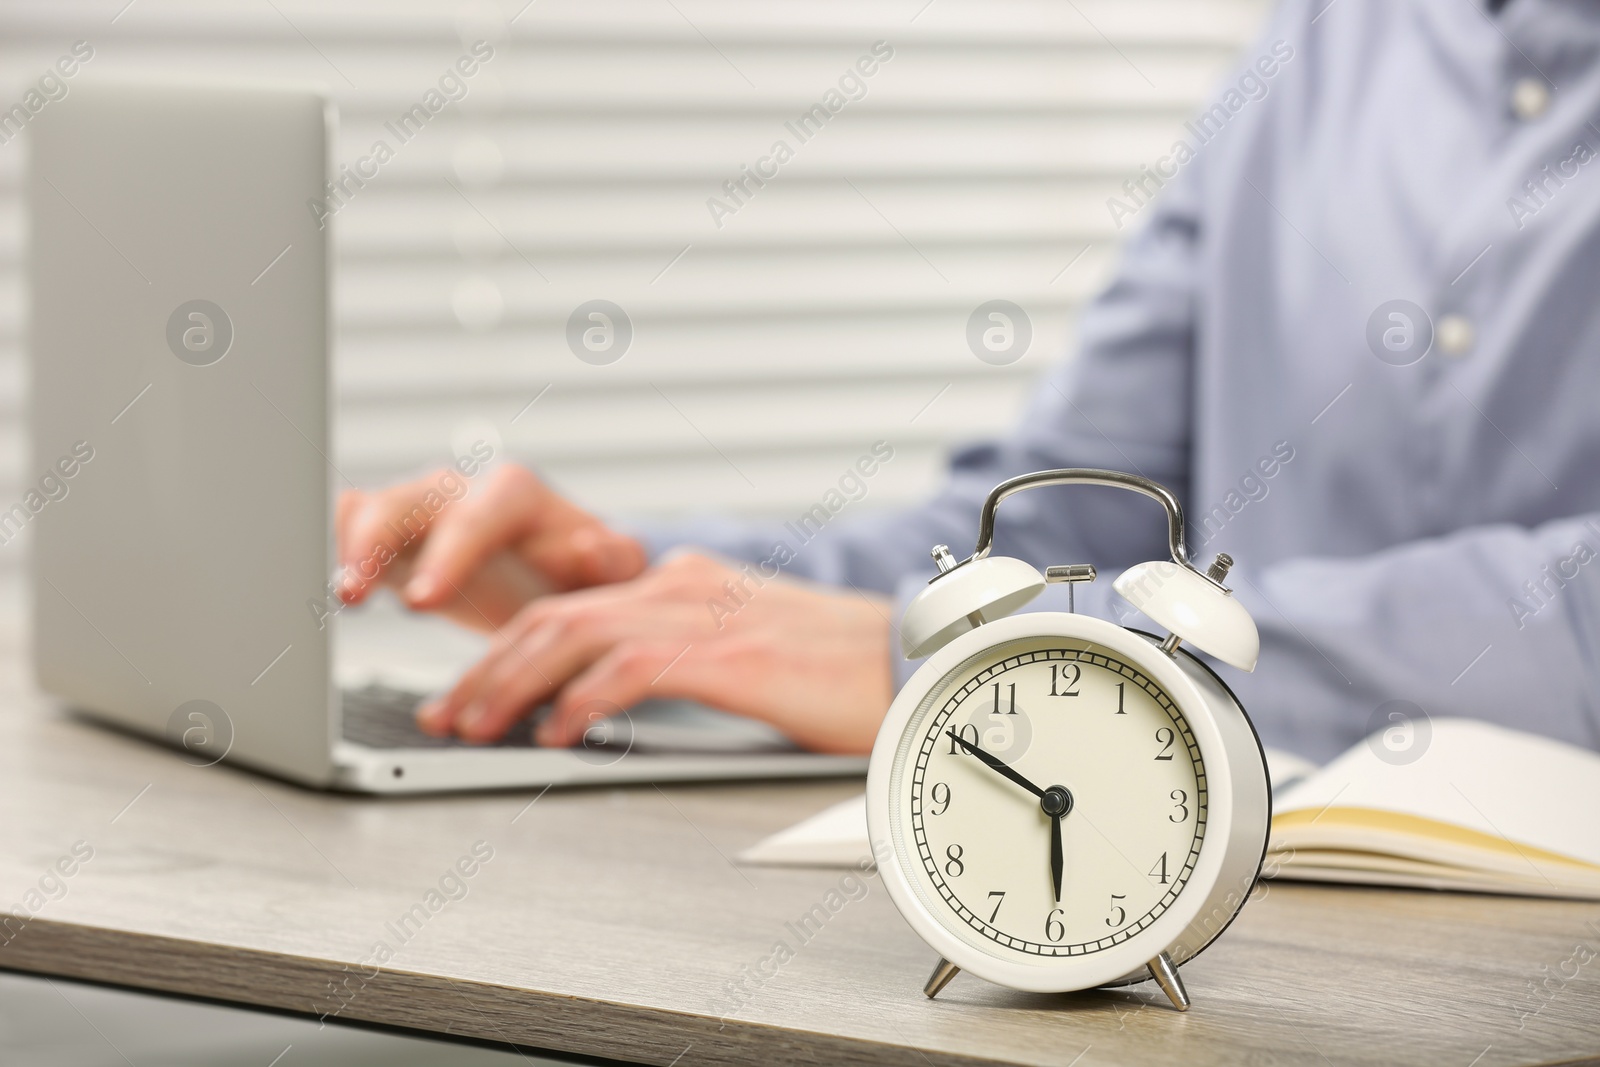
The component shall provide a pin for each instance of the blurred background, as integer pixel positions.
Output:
(828, 310)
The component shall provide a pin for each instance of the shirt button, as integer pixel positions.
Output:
(1529, 98)
(1454, 334)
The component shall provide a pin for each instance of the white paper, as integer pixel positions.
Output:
(1528, 790)
(834, 837)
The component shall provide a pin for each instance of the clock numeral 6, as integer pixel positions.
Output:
(1181, 799)
(1053, 927)
(953, 865)
(943, 801)
(1119, 914)
(1165, 737)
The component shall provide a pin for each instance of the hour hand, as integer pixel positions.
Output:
(994, 763)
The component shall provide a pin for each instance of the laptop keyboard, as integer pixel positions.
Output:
(380, 716)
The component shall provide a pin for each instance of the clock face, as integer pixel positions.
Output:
(1032, 739)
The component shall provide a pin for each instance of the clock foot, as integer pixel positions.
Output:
(942, 973)
(1165, 972)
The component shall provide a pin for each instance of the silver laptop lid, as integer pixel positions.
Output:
(179, 340)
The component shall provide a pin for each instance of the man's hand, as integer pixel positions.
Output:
(812, 662)
(476, 557)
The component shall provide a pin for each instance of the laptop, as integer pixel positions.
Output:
(184, 476)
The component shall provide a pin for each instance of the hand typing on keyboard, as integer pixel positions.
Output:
(475, 557)
(812, 662)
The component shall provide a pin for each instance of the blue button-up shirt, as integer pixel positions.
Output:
(1358, 333)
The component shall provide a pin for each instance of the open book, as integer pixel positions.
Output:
(1481, 808)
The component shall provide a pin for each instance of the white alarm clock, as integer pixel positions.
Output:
(1057, 802)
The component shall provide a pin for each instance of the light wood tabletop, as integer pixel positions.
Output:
(612, 922)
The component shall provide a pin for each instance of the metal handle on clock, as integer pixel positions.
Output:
(1088, 476)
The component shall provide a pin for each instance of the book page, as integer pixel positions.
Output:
(834, 837)
(1530, 791)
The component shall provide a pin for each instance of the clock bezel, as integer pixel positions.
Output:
(1053, 973)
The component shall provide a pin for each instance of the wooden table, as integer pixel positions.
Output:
(611, 922)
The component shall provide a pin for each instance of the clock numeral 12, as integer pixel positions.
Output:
(1058, 677)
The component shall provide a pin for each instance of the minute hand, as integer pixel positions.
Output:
(994, 763)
